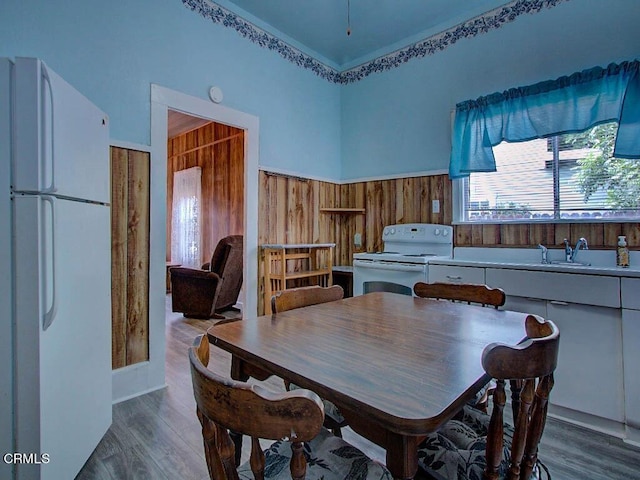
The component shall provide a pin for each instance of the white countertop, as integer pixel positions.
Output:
(602, 261)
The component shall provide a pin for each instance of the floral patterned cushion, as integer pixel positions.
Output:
(328, 458)
(457, 450)
(330, 410)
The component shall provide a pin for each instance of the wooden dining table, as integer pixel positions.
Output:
(397, 367)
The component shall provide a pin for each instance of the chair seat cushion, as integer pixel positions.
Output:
(328, 457)
(457, 450)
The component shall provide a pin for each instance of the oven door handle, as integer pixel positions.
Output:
(395, 266)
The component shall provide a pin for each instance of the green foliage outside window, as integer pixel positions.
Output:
(619, 177)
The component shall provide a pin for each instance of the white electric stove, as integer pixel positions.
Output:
(408, 248)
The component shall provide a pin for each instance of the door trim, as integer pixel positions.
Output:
(163, 99)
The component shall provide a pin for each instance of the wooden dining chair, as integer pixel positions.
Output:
(470, 293)
(476, 445)
(303, 448)
(305, 297)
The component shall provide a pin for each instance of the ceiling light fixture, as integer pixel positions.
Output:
(348, 17)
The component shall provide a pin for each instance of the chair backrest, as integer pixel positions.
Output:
(470, 293)
(224, 404)
(529, 367)
(226, 261)
(304, 297)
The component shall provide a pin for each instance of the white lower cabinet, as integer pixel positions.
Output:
(589, 376)
(599, 322)
(453, 274)
(631, 349)
(631, 345)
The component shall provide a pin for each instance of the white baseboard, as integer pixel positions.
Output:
(632, 436)
(132, 381)
(592, 422)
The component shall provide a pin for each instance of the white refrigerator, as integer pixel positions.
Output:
(55, 259)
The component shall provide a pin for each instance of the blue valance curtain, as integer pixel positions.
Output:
(566, 105)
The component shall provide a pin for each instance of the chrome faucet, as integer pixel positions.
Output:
(568, 251)
(544, 253)
(582, 243)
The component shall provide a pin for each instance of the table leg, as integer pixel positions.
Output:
(237, 373)
(402, 456)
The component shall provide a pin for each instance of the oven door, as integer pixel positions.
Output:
(376, 276)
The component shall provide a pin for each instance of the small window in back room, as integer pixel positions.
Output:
(565, 177)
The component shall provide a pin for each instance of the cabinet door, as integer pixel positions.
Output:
(454, 274)
(629, 293)
(630, 344)
(589, 373)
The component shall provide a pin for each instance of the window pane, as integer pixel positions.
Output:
(577, 180)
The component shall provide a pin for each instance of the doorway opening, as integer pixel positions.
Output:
(205, 197)
(192, 109)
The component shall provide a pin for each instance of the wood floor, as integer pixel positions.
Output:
(157, 435)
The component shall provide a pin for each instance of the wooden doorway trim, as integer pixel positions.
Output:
(162, 100)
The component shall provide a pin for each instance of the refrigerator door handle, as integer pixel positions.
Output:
(48, 134)
(50, 314)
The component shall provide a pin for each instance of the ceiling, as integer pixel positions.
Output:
(179, 123)
(377, 27)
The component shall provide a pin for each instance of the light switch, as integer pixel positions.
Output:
(435, 206)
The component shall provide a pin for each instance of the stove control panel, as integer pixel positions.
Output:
(418, 232)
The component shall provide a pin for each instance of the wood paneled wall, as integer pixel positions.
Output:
(601, 236)
(129, 256)
(290, 213)
(290, 210)
(219, 150)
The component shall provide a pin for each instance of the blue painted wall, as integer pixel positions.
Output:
(113, 51)
(399, 122)
(389, 124)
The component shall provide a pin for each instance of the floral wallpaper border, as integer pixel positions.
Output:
(489, 21)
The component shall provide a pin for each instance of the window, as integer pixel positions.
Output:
(560, 150)
(566, 177)
(185, 217)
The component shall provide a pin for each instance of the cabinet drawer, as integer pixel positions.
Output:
(567, 287)
(630, 293)
(453, 274)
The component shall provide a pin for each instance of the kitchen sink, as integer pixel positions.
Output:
(569, 264)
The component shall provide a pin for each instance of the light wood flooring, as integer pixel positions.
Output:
(157, 435)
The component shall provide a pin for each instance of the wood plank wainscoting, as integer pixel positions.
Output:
(129, 256)
(219, 150)
(290, 212)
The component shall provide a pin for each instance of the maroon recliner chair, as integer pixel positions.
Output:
(204, 293)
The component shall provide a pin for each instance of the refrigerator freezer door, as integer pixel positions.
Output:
(62, 139)
(63, 397)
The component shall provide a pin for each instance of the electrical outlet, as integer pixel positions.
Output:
(357, 240)
(435, 206)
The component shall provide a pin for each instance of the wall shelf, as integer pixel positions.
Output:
(343, 210)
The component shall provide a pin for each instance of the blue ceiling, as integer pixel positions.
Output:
(378, 27)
